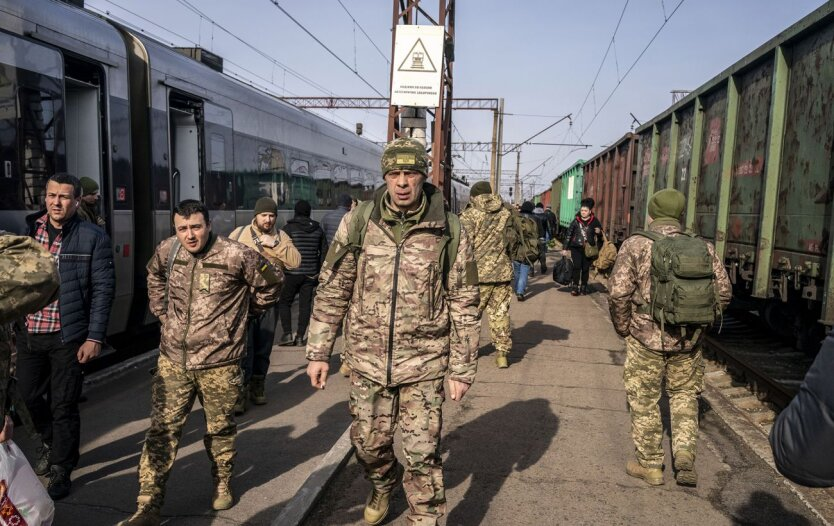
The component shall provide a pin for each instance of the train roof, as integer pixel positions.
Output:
(64, 26)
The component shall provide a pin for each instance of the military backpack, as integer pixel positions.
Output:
(522, 239)
(683, 291)
(449, 241)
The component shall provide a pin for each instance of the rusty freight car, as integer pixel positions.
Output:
(608, 178)
(752, 150)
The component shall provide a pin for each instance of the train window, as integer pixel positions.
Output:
(218, 182)
(40, 112)
(265, 178)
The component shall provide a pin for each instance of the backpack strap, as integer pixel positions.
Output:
(449, 248)
(654, 236)
(172, 255)
(356, 235)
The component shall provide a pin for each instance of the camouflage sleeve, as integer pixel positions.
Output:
(621, 286)
(332, 296)
(264, 281)
(464, 297)
(722, 279)
(28, 277)
(467, 221)
(157, 277)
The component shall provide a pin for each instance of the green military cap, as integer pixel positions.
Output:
(88, 186)
(405, 154)
(667, 203)
(480, 188)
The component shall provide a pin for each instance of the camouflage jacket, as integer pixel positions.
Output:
(209, 297)
(28, 282)
(276, 246)
(630, 287)
(402, 324)
(485, 220)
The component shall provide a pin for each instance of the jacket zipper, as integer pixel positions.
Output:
(393, 313)
(188, 316)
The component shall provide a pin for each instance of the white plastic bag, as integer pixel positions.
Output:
(23, 499)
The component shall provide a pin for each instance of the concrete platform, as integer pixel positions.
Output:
(543, 442)
(546, 441)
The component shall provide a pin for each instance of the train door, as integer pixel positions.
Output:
(85, 122)
(186, 136)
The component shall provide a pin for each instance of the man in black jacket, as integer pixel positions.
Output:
(803, 434)
(67, 333)
(310, 240)
(331, 220)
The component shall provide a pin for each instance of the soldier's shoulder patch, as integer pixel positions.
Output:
(268, 272)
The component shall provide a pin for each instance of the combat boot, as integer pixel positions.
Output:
(685, 474)
(651, 476)
(376, 509)
(257, 389)
(242, 399)
(501, 360)
(223, 498)
(147, 514)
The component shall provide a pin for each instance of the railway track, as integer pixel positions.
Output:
(754, 356)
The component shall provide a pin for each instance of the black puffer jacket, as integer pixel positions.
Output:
(574, 237)
(311, 242)
(803, 435)
(331, 220)
(88, 281)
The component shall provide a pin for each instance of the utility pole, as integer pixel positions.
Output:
(517, 190)
(439, 147)
(500, 142)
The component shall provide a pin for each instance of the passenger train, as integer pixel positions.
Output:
(85, 95)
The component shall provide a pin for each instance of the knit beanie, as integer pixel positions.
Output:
(480, 188)
(345, 200)
(303, 208)
(405, 154)
(527, 207)
(88, 186)
(266, 204)
(667, 203)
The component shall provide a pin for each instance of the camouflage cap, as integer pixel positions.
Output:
(405, 154)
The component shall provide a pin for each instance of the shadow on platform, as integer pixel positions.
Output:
(765, 508)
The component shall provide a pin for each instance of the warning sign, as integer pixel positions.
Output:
(418, 60)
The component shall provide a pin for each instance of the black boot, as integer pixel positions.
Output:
(59, 483)
(286, 340)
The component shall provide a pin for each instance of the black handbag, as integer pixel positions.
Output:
(563, 271)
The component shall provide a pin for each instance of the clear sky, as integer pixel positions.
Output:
(541, 56)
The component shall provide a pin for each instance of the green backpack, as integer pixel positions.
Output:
(522, 239)
(449, 242)
(683, 283)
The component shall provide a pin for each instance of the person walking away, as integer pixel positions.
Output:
(277, 248)
(202, 287)
(309, 238)
(67, 333)
(552, 223)
(403, 272)
(330, 221)
(585, 229)
(541, 217)
(485, 220)
(663, 318)
(89, 199)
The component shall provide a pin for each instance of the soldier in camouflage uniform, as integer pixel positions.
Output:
(652, 354)
(202, 287)
(28, 282)
(407, 328)
(485, 220)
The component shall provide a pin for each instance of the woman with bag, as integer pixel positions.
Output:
(583, 241)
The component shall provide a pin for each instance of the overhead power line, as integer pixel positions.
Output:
(322, 44)
(384, 57)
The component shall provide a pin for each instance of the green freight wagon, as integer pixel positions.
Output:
(752, 150)
(571, 193)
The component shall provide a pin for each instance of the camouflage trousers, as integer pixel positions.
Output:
(416, 408)
(643, 375)
(495, 299)
(172, 396)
